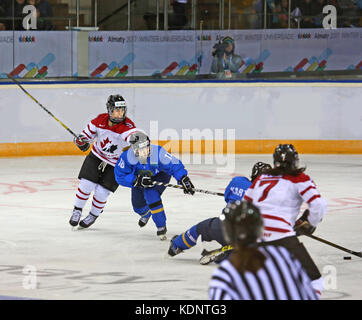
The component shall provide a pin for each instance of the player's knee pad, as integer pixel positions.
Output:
(210, 230)
(83, 193)
(205, 229)
(101, 193)
(99, 200)
(86, 186)
(151, 196)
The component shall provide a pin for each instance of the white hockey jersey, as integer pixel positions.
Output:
(108, 141)
(280, 198)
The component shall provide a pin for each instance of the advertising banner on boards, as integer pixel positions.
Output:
(118, 54)
(37, 54)
(146, 53)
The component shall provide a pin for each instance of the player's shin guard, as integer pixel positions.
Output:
(85, 188)
(186, 240)
(99, 200)
(172, 250)
(159, 218)
(158, 214)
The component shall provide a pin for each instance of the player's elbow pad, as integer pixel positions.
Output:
(318, 208)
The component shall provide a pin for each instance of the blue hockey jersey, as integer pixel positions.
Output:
(236, 189)
(128, 167)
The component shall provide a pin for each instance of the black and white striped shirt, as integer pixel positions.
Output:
(281, 278)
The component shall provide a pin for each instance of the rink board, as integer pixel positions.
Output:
(318, 117)
(241, 147)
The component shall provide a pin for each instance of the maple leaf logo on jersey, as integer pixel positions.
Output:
(105, 142)
(111, 149)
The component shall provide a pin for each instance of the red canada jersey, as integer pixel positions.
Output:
(108, 142)
(280, 198)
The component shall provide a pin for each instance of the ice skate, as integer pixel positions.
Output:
(161, 232)
(172, 251)
(143, 221)
(74, 219)
(87, 221)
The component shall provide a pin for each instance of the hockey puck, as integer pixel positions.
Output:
(347, 258)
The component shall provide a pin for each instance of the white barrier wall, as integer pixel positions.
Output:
(118, 54)
(317, 111)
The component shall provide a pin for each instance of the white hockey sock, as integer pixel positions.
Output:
(318, 286)
(85, 188)
(99, 200)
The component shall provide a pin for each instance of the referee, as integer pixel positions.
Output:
(252, 272)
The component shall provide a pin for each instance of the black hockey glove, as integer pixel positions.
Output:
(187, 185)
(82, 143)
(143, 181)
(302, 225)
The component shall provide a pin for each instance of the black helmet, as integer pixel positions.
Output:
(242, 223)
(259, 168)
(114, 102)
(139, 140)
(285, 156)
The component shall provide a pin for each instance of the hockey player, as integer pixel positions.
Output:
(255, 272)
(279, 194)
(210, 229)
(139, 167)
(110, 132)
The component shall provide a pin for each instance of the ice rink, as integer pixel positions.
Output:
(42, 258)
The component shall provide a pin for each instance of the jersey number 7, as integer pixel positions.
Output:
(271, 184)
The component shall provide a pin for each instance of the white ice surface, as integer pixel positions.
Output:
(115, 259)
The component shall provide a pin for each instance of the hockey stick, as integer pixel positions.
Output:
(210, 256)
(358, 254)
(39, 104)
(169, 185)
